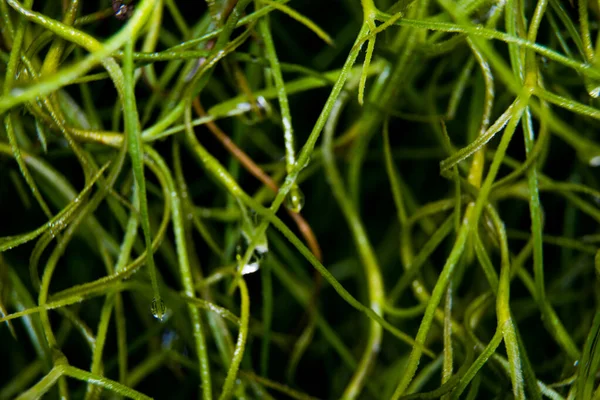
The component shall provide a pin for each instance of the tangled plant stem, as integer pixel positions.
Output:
(435, 162)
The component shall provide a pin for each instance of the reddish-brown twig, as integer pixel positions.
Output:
(250, 166)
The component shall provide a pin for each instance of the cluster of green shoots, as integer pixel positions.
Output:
(261, 199)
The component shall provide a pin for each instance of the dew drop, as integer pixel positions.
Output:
(253, 264)
(240, 108)
(122, 11)
(264, 104)
(594, 161)
(295, 200)
(593, 87)
(16, 91)
(158, 309)
(256, 258)
(249, 234)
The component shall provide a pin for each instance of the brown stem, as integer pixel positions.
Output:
(303, 226)
(250, 166)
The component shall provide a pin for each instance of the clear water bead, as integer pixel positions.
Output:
(294, 201)
(256, 258)
(158, 309)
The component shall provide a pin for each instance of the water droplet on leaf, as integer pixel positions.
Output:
(256, 257)
(16, 91)
(594, 161)
(592, 86)
(295, 200)
(158, 309)
(250, 235)
(264, 104)
(251, 266)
